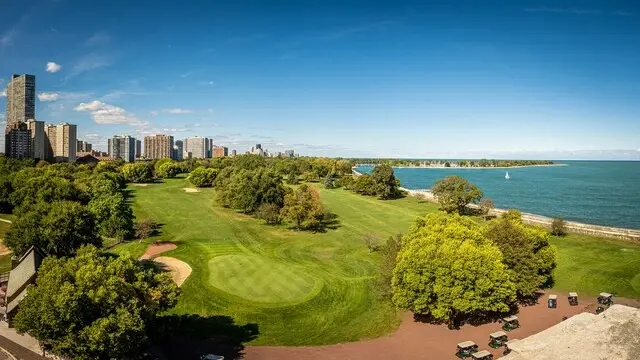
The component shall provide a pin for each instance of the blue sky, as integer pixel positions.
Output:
(339, 78)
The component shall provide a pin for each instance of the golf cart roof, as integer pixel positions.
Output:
(466, 344)
(480, 354)
(212, 357)
(498, 334)
(573, 294)
(606, 295)
(510, 318)
(553, 297)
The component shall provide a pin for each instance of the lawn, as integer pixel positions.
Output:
(5, 260)
(306, 288)
(301, 288)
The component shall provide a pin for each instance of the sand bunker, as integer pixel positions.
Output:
(190, 190)
(134, 184)
(157, 249)
(179, 269)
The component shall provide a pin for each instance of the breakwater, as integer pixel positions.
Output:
(572, 226)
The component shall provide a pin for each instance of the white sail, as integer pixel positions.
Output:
(507, 176)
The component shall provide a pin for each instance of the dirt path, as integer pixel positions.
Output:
(179, 269)
(420, 341)
(7, 221)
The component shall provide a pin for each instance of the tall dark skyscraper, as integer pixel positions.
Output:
(21, 106)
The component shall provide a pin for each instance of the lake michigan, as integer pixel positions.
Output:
(591, 192)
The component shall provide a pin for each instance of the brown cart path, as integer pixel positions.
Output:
(420, 341)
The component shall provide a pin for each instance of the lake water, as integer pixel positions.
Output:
(592, 192)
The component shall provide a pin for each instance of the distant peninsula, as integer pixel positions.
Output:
(458, 164)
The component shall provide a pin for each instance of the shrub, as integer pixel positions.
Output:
(144, 228)
(270, 213)
(558, 227)
(203, 177)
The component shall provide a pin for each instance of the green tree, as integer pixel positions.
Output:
(158, 163)
(388, 255)
(329, 182)
(270, 213)
(107, 166)
(292, 178)
(558, 227)
(139, 172)
(486, 205)
(5, 194)
(343, 167)
(44, 188)
(448, 269)
(364, 185)
(455, 193)
(58, 228)
(113, 215)
(167, 170)
(526, 252)
(93, 306)
(386, 184)
(303, 208)
(203, 177)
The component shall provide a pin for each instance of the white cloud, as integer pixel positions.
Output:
(52, 67)
(209, 83)
(103, 113)
(177, 111)
(210, 111)
(3, 93)
(153, 113)
(99, 38)
(88, 63)
(48, 96)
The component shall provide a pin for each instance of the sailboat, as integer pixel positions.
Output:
(507, 176)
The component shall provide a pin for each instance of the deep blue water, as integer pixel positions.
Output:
(592, 192)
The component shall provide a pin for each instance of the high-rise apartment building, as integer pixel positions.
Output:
(196, 147)
(21, 106)
(122, 147)
(233, 152)
(62, 142)
(19, 139)
(158, 146)
(220, 151)
(179, 150)
(84, 146)
(38, 139)
(138, 149)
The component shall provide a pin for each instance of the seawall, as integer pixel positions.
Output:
(572, 226)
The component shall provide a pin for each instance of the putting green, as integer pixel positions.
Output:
(258, 279)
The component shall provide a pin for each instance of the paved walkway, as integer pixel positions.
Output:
(21, 346)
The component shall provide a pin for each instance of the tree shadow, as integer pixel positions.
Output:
(530, 300)
(191, 336)
(476, 319)
(329, 222)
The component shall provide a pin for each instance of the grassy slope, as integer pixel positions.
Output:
(5, 260)
(316, 288)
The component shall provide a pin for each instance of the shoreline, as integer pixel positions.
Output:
(572, 226)
(475, 167)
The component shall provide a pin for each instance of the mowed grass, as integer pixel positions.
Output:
(5, 260)
(592, 265)
(304, 288)
(301, 288)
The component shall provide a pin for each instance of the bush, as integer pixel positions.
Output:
(329, 182)
(167, 170)
(203, 177)
(558, 227)
(455, 193)
(144, 228)
(371, 241)
(270, 213)
(139, 172)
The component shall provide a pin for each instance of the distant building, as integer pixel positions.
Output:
(84, 146)
(233, 152)
(196, 147)
(38, 139)
(158, 147)
(19, 139)
(289, 154)
(61, 142)
(220, 151)
(21, 106)
(258, 146)
(138, 149)
(122, 147)
(179, 150)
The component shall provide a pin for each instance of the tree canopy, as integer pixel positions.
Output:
(454, 193)
(139, 172)
(93, 306)
(448, 269)
(386, 185)
(303, 208)
(203, 177)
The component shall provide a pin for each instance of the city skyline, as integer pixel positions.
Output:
(407, 80)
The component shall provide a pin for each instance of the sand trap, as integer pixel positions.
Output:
(157, 249)
(179, 269)
(190, 190)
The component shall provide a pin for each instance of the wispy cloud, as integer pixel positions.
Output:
(103, 113)
(7, 38)
(52, 67)
(208, 83)
(187, 74)
(3, 93)
(48, 96)
(574, 11)
(117, 94)
(99, 38)
(340, 33)
(87, 63)
(623, 13)
(177, 111)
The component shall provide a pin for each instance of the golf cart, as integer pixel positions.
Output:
(211, 357)
(573, 299)
(604, 300)
(510, 323)
(552, 302)
(465, 349)
(497, 339)
(482, 355)
(507, 349)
